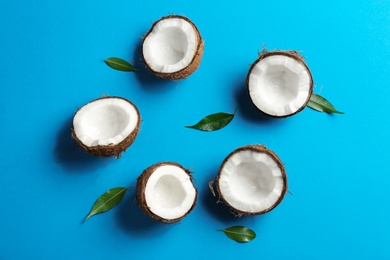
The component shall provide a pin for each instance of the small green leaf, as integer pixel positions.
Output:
(319, 103)
(119, 64)
(107, 201)
(213, 122)
(240, 234)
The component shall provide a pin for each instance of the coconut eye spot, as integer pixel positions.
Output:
(252, 181)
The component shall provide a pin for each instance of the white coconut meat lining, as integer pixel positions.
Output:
(280, 84)
(105, 121)
(252, 181)
(171, 46)
(169, 192)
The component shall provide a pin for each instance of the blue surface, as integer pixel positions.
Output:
(52, 56)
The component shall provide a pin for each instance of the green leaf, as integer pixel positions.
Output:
(119, 64)
(240, 234)
(107, 201)
(213, 122)
(319, 103)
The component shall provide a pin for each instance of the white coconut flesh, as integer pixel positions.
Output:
(251, 181)
(106, 121)
(170, 46)
(169, 192)
(279, 85)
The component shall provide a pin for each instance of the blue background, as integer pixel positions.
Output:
(51, 64)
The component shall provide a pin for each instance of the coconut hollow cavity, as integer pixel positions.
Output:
(165, 192)
(279, 83)
(251, 180)
(106, 126)
(172, 49)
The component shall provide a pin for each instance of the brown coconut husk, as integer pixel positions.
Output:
(112, 149)
(259, 149)
(143, 179)
(185, 72)
(292, 54)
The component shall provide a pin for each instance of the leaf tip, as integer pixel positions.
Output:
(87, 217)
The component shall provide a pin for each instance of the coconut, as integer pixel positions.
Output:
(279, 83)
(106, 126)
(251, 180)
(165, 192)
(172, 48)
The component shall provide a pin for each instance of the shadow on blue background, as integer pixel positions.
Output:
(134, 222)
(216, 209)
(148, 81)
(71, 157)
(248, 110)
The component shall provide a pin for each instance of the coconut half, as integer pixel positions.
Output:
(172, 48)
(165, 192)
(106, 126)
(279, 83)
(251, 180)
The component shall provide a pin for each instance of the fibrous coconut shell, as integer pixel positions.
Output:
(259, 149)
(185, 72)
(292, 54)
(112, 149)
(140, 192)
